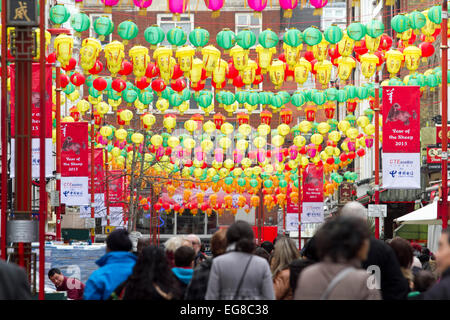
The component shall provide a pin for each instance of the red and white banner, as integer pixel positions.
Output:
(401, 119)
(313, 183)
(99, 176)
(115, 185)
(74, 149)
(35, 100)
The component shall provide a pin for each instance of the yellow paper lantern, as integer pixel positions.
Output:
(137, 138)
(169, 123)
(189, 143)
(299, 141)
(277, 141)
(372, 43)
(183, 107)
(259, 142)
(173, 142)
(264, 57)
(368, 64)
(240, 57)
(140, 59)
(412, 58)
(320, 50)
(305, 126)
(323, 69)
(114, 54)
(362, 121)
(185, 55)
(209, 127)
(149, 120)
(394, 60)
(249, 72)
(227, 128)
(301, 71)
(63, 45)
(245, 129)
(156, 140)
(90, 49)
(196, 71)
(345, 46)
(211, 56)
(126, 115)
(369, 129)
(105, 131)
(225, 142)
(291, 54)
(228, 164)
(263, 129)
(242, 145)
(345, 67)
(121, 134)
(352, 133)
(246, 163)
(276, 73)
(317, 138)
(335, 136)
(207, 145)
(323, 128)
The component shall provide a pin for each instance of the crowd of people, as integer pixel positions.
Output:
(342, 261)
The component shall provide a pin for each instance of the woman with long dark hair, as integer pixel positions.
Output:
(239, 274)
(151, 279)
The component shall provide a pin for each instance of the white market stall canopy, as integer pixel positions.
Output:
(424, 215)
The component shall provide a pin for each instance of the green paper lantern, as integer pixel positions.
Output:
(226, 39)
(167, 92)
(362, 93)
(356, 31)
(186, 94)
(298, 99)
(228, 180)
(285, 95)
(351, 91)
(113, 94)
(319, 98)
(432, 80)
(252, 98)
(219, 96)
(199, 37)
(268, 39)
(268, 183)
(264, 97)
(333, 34)
(103, 26)
(375, 28)
(253, 183)
(154, 35)
(59, 14)
(246, 39)
(283, 183)
(331, 94)
(417, 20)
(227, 98)
(127, 30)
(352, 119)
(176, 37)
(333, 124)
(241, 96)
(293, 37)
(435, 14)
(69, 88)
(80, 22)
(205, 99)
(277, 101)
(129, 95)
(146, 97)
(312, 36)
(369, 113)
(241, 182)
(342, 96)
(93, 92)
(175, 99)
(400, 23)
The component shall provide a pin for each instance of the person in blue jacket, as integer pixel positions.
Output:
(115, 267)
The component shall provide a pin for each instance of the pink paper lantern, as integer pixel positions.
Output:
(237, 156)
(318, 4)
(293, 152)
(261, 155)
(351, 146)
(142, 5)
(311, 149)
(215, 6)
(199, 154)
(109, 4)
(369, 142)
(257, 5)
(178, 7)
(288, 6)
(218, 155)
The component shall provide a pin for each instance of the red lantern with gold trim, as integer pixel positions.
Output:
(97, 118)
(329, 110)
(243, 118)
(266, 117)
(219, 119)
(310, 112)
(351, 106)
(120, 122)
(74, 113)
(286, 116)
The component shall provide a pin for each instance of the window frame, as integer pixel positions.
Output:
(92, 17)
(248, 15)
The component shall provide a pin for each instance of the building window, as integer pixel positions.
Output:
(248, 21)
(92, 32)
(166, 23)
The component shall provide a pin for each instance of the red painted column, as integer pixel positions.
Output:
(92, 173)
(444, 92)
(58, 148)
(377, 151)
(300, 201)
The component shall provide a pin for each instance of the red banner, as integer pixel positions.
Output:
(291, 207)
(35, 100)
(313, 183)
(401, 119)
(115, 185)
(99, 176)
(74, 149)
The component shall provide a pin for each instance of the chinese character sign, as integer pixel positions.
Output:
(22, 13)
(74, 149)
(401, 170)
(99, 177)
(74, 191)
(401, 119)
(115, 185)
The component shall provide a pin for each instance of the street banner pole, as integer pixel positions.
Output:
(107, 186)
(92, 174)
(58, 148)
(377, 151)
(444, 88)
(4, 135)
(42, 145)
(300, 193)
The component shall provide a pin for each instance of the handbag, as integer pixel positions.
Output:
(242, 279)
(338, 278)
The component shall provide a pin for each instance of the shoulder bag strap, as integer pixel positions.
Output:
(338, 278)
(242, 278)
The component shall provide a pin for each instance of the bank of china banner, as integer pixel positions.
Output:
(312, 202)
(401, 137)
(74, 164)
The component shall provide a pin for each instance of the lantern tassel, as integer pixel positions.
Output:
(257, 14)
(287, 13)
(318, 12)
(107, 9)
(215, 14)
(142, 11)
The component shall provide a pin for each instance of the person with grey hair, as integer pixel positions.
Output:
(392, 283)
(197, 245)
(171, 245)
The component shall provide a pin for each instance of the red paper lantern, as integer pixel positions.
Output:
(179, 84)
(381, 59)
(152, 71)
(97, 68)
(333, 52)
(158, 85)
(142, 83)
(177, 72)
(127, 68)
(361, 152)
(329, 111)
(51, 58)
(219, 119)
(361, 49)
(313, 62)
(118, 84)
(237, 82)
(100, 84)
(166, 206)
(232, 72)
(286, 116)
(77, 79)
(427, 49)
(385, 42)
(97, 118)
(243, 118)
(303, 150)
(188, 163)
(282, 57)
(310, 112)
(330, 161)
(157, 206)
(309, 55)
(288, 74)
(351, 106)
(198, 86)
(343, 157)
(266, 117)
(351, 155)
(71, 65)
(215, 85)
(64, 80)
(120, 122)
(258, 79)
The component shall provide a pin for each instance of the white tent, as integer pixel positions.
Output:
(424, 215)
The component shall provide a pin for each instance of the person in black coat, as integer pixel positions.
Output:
(441, 290)
(14, 283)
(393, 285)
(196, 289)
